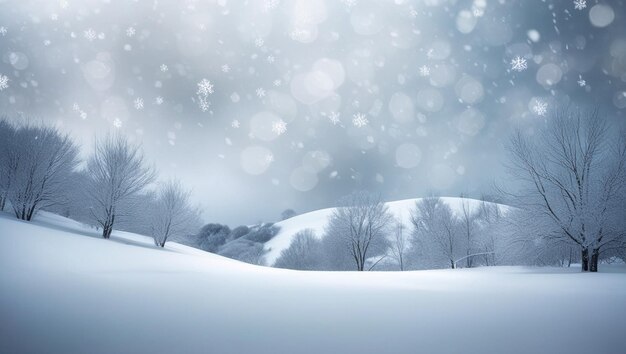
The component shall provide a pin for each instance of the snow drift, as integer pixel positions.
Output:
(64, 290)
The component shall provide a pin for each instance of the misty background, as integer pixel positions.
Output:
(259, 106)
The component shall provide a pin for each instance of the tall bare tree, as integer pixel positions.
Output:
(173, 214)
(117, 172)
(360, 226)
(400, 244)
(436, 228)
(468, 225)
(572, 173)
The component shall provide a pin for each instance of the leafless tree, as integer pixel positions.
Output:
(468, 224)
(173, 214)
(572, 175)
(117, 172)
(304, 253)
(36, 166)
(400, 244)
(437, 228)
(360, 226)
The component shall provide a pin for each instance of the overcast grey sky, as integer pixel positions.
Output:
(260, 106)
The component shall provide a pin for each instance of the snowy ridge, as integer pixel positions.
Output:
(317, 220)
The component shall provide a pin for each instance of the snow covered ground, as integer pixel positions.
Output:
(64, 290)
(317, 220)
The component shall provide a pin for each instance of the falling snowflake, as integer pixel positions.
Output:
(117, 123)
(424, 70)
(130, 31)
(163, 68)
(277, 83)
(138, 103)
(225, 68)
(83, 115)
(205, 88)
(581, 82)
(90, 34)
(518, 64)
(349, 3)
(4, 82)
(259, 42)
(413, 12)
(580, 4)
(333, 117)
(269, 158)
(260, 92)
(3, 31)
(158, 100)
(270, 59)
(279, 127)
(540, 108)
(54, 17)
(359, 120)
(76, 107)
(235, 124)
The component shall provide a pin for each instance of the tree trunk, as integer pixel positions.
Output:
(2, 203)
(584, 259)
(595, 254)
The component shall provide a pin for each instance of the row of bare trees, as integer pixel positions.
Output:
(40, 169)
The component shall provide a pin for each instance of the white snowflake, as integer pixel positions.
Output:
(159, 100)
(4, 82)
(117, 123)
(269, 158)
(359, 120)
(138, 103)
(83, 115)
(90, 34)
(163, 68)
(54, 17)
(259, 42)
(333, 117)
(205, 87)
(279, 127)
(260, 92)
(413, 12)
(540, 108)
(235, 124)
(270, 59)
(101, 35)
(130, 31)
(518, 64)
(580, 4)
(349, 3)
(581, 82)
(75, 107)
(3, 31)
(424, 70)
(225, 68)
(277, 82)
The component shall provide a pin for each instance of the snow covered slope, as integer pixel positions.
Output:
(318, 219)
(64, 290)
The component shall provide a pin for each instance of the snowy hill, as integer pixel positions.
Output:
(317, 220)
(64, 290)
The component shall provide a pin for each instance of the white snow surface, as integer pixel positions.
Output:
(318, 219)
(65, 290)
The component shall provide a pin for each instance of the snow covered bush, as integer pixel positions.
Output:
(244, 250)
(211, 237)
(262, 233)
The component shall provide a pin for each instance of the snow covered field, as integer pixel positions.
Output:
(64, 290)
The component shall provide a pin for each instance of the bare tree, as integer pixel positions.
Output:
(359, 227)
(173, 214)
(304, 253)
(468, 226)
(400, 244)
(572, 175)
(437, 228)
(36, 166)
(117, 172)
